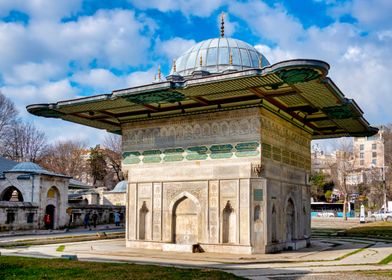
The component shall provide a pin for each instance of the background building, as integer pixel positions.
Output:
(28, 192)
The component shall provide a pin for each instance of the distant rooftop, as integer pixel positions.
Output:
(6, 164)
(76, 184)
(33, 168)
(120, 187)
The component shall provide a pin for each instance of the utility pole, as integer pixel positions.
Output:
(384, 190)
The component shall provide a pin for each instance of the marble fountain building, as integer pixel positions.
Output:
(218, 153)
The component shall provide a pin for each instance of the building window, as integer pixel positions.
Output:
(374, 146)
(362, 147)
(30, 218)
(361, 155)
(374, 154)
(10, 218)
(374, 161)
(362, 162)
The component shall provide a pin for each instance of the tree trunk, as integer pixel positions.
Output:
(345, 207)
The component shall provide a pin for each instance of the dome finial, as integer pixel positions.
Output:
(222, 24)
(174, 66)
(159, 72)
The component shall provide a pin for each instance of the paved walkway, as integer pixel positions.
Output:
(6, 237)
(326, 256)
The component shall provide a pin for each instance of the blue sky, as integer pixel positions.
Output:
(56, 50)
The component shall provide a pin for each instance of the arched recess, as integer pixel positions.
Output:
(290, 221)
(273, 225)
(9, 194)
(228, 224)
(185, 219)
(53, 202)
(257, 213)
(50, 210)
(142, 221)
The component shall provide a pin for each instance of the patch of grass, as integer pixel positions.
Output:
(377, 273)
(31, 269)
(353, 252)
(60, 248)
(387, 260)
(379, 229)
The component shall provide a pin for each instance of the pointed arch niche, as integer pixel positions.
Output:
(273, 225)
(290, 221)
(186, 218)
(228, 224)
(143, 211)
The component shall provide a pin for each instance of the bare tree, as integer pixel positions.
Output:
(342, 169)
(66, 157)
(8, 114)
(24, 142)
(112, 152)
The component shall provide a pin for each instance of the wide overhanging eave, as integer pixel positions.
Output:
(297, 90)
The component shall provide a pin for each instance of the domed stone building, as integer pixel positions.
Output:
(218, 154)
(27, 193)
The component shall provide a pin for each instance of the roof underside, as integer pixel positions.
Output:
(296, 90)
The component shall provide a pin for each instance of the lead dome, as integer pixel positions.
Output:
(215, 57)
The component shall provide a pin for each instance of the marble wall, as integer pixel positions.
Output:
(224, 181)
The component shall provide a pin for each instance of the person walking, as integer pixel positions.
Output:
(47, 221)
(117, 219)
(95, 218)
(86, 221)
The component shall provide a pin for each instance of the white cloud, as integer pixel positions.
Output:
(263, 20)
(34, 73)
(41, 9)
(46, 92)
(111, 38)
(108, 38)
(174, 47)
(41, 58)
(99, 79)
(353, 53)
(201, 8)
(372, 13)
(385, 35)
(104, 81)
(140, 78)
(274, 55)
(59, 130)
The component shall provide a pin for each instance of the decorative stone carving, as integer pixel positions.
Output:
(257, 169)
(157, 97)
(298, 75)
(209, 127)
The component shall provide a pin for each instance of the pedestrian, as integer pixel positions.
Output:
(95, 218)
(117, 219)
(47, 221)
(86, 221)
